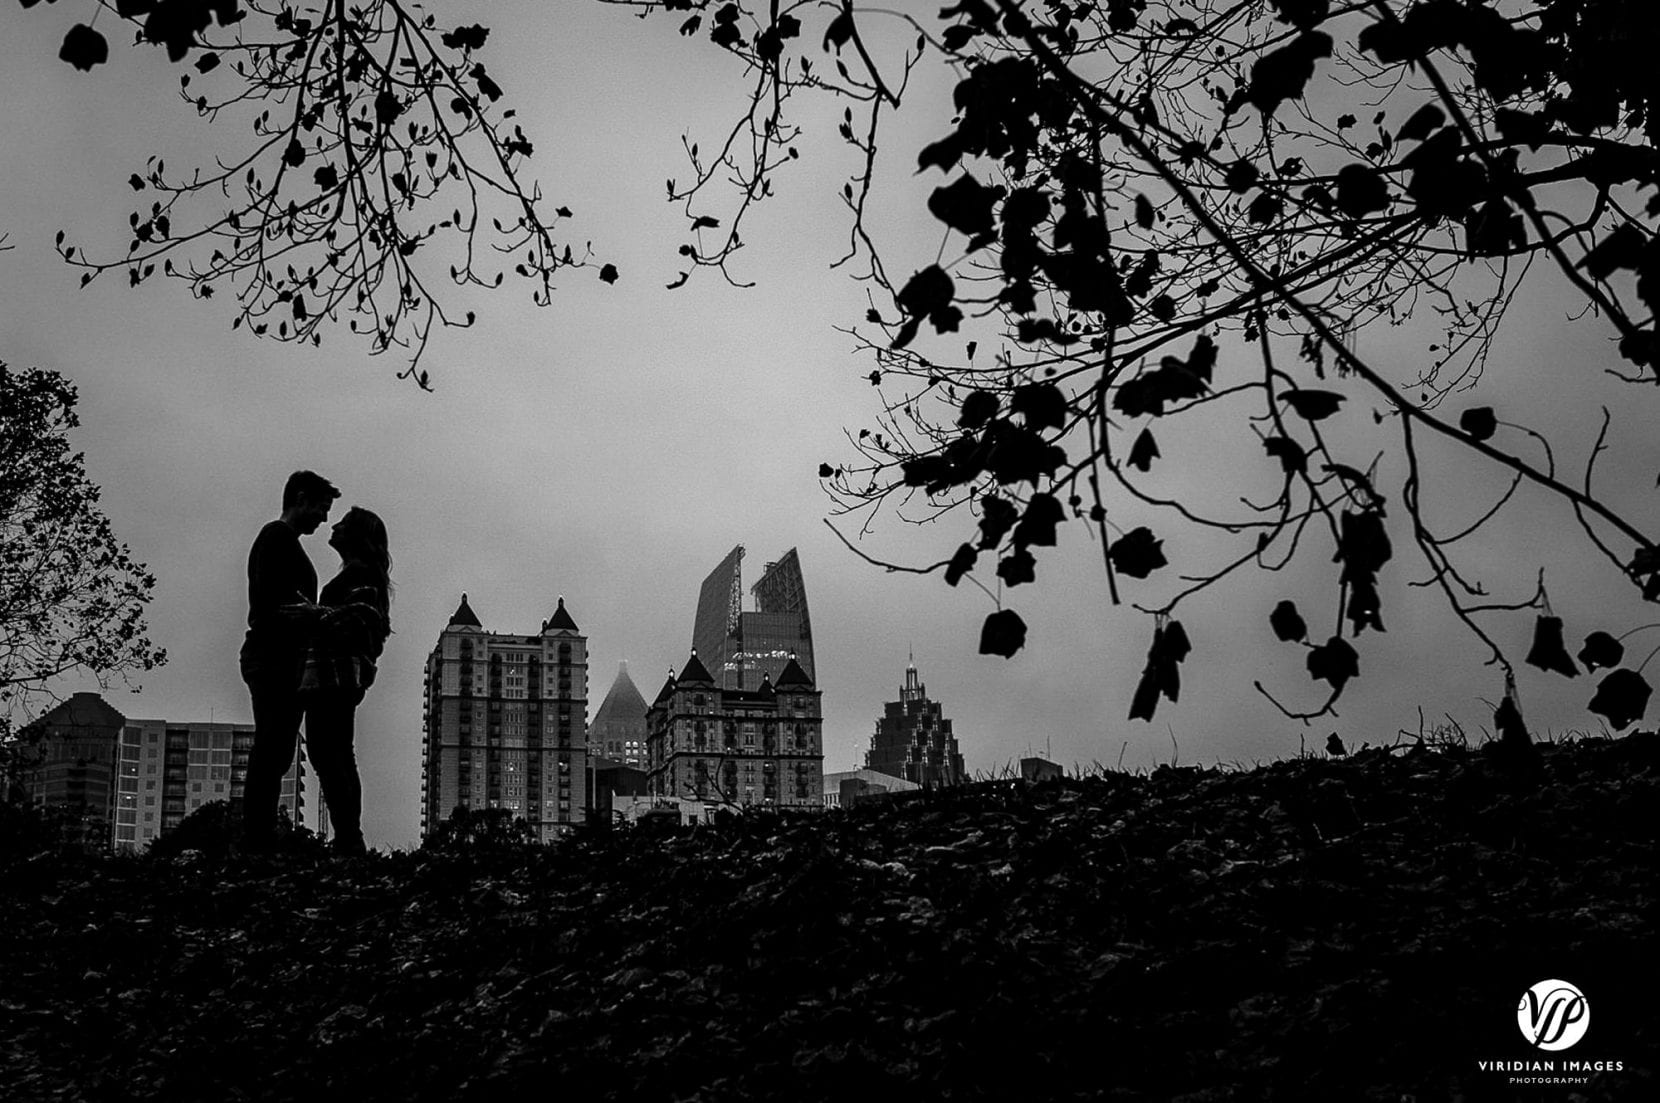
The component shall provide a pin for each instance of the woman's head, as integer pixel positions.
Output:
(361, 535)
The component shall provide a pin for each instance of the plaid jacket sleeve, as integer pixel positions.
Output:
(346, 642)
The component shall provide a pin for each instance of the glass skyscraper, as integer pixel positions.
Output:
(741, 647)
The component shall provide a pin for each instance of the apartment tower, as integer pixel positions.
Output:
(506, 723)
(133, 780)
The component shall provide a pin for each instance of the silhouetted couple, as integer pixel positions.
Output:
(312, 656)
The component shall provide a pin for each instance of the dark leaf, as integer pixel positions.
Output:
(1335, 662)
(1241, 176)
(466, 38)
(608, 273)
(997, 517)
(1622, 697)
(978, 408)
(1143, 212)
(1290, 454)
(1162, 674)
(944, 153)
(1287, 622)
(1137, 553)
(387, 107)
(487, 87)
(1017, 567)
(1282, 74)
(1601, 649)
(1003, 634)
(1311, 404)
(965, 205)
(1303, 13)
(1364, 607)
(326, 177)
(1361, 190)
(1363, 544)
(1421, 124)
(1548, 651)
(84, 48)
(928, 295)
(1042, 405)
(840, 31)
(961, 563)
(1478, 422)
(1144, 451)
(1037, 526)
(1507, 720)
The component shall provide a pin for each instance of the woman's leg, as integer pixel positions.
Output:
(329, 731)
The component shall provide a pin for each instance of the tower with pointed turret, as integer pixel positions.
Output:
(506, 722)
(914, 740)
(618, 731)
(743, 748)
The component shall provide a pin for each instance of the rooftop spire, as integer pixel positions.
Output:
(464, 617)
(561, 620)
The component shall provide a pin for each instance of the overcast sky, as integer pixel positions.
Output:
(612, 448)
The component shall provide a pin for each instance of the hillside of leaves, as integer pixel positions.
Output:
(1353, 928)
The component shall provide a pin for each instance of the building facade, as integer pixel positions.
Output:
(741, 648)
(618, 731)
(133, 780)
(849, 787)
(914, 740)
(737, 748)
(506, 723)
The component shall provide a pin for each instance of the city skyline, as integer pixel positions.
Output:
(617, 443)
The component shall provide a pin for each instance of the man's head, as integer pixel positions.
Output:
(307, 498)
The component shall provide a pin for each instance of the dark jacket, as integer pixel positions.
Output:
(279, 573)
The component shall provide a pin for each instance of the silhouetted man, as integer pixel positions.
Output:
(279, 574)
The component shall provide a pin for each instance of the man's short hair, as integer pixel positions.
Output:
(307, 485)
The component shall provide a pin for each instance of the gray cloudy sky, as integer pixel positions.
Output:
(613, 447)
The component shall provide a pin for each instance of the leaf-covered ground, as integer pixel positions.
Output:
(1315, 929)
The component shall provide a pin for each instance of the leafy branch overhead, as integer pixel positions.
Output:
(1165, 233)
(380, 171)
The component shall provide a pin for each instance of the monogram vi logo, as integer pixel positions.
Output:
(1553, 1015)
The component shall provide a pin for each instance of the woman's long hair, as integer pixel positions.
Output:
(363, 540)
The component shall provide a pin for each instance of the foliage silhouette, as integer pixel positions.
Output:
(1120, 180)
(379, 164)
(72, 597)
(469, 831)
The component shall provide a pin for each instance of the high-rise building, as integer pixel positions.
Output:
(913, 739)
(742, 647)
(618, 731)
(506, 723)
(743, 748)
(132, 780)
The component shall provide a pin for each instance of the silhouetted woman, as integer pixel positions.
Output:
(351, 626)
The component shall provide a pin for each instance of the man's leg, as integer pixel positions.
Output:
(329, 733)
(277, 712)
